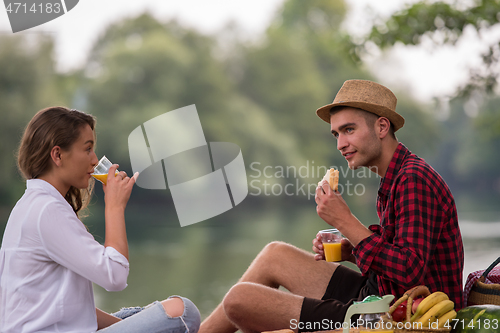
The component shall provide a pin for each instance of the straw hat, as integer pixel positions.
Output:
(368, 96)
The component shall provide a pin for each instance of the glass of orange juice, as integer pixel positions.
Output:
(101, 170)
(331, 244)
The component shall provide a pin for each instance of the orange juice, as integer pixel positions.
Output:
(103, 178)
(332, 251)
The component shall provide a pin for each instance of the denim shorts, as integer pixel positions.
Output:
(154, 319)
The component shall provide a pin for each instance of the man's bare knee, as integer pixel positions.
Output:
(275, 251)
(276, 246)
(174, 307)
(234, 302)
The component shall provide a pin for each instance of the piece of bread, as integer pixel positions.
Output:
(332, 176)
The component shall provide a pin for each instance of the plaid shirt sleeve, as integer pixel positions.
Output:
(418, 240)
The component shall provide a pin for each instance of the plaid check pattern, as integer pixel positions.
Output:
(492, 278)
(418, 241)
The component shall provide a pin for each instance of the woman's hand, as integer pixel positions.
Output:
(116, 195)
(118, 188)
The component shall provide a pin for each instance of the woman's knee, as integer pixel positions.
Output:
(176, 306)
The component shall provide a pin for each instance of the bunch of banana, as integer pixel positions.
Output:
(436, 307)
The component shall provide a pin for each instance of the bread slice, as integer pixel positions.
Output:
(332, 176)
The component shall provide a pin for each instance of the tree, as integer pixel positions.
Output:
(141, 68)
(28, 83)
(444, 23)
(470, 133)
(300, 65)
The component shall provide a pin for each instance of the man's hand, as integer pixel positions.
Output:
(318, 248)
(346, 249)
(331, 207)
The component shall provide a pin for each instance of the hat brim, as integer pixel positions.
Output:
(382, 111)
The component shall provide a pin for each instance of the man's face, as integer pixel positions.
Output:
(356, 139)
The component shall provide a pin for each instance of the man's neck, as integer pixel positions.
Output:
(388, 150)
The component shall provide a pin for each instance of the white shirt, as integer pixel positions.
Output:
(48, 261)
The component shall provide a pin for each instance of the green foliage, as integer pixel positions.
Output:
(444, 23)
(299, 67)
(314, 16)
(467, 159)
(261, 96)
(143, 72)
(488, 122)
(26, 85)
(467, 142)
(420, 132)
(425, 18)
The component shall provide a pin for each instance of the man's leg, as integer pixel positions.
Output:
(278, 264)
(254, 308)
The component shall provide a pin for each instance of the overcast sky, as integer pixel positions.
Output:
(424, 72)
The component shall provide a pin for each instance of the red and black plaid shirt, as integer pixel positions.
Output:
(418, 240)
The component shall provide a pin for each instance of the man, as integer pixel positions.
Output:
(417, 242)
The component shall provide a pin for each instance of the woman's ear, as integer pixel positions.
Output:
(55, 154)
(383, 126)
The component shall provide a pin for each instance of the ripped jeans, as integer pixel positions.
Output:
(154, 319)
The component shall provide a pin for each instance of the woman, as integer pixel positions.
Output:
(48, 260)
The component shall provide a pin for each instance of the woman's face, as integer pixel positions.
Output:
(78, 162)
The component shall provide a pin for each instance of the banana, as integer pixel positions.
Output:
(435, 312)
(428, 303)
(444, 319)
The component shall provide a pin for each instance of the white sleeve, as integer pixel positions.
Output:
(68, 243)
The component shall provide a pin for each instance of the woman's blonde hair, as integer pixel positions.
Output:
(54, 126)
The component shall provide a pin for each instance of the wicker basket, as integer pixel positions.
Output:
(482, 293)
(410, 295)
